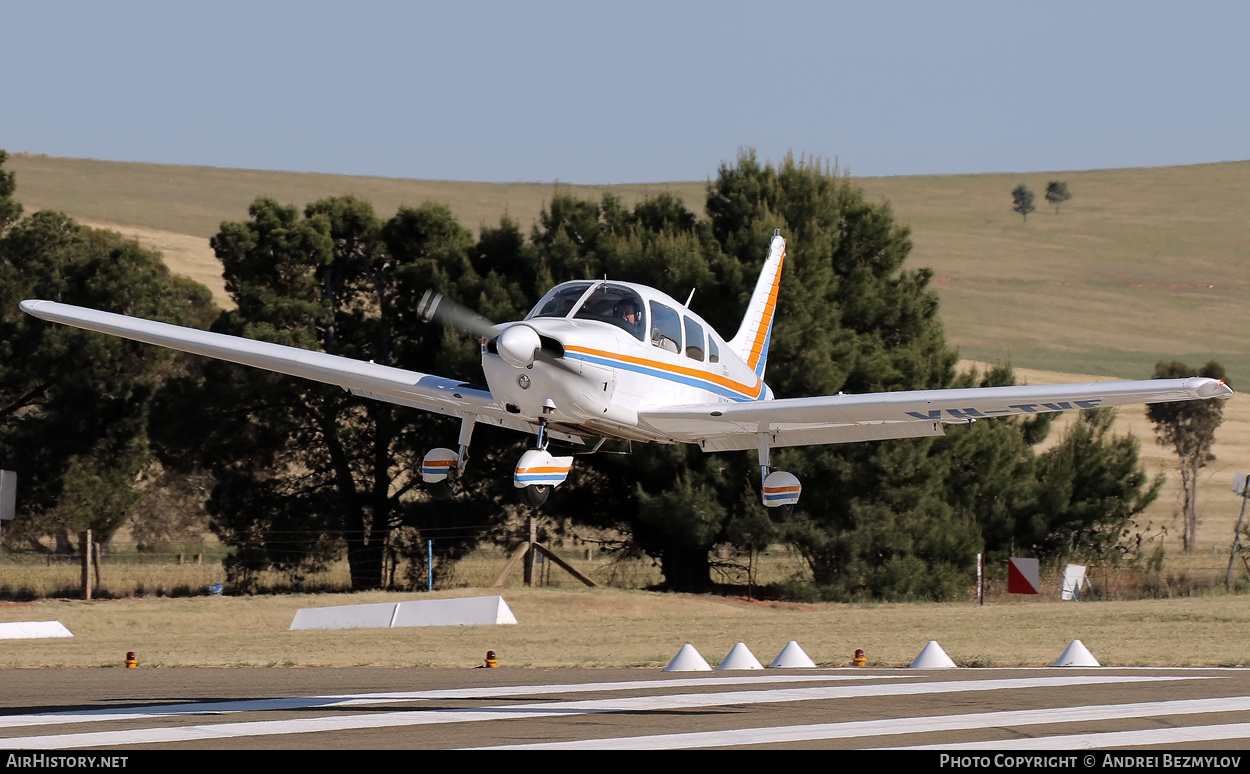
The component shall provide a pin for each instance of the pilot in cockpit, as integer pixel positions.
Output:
(626, 310)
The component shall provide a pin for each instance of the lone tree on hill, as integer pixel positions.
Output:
(1022, 200)
(1057, 193)
(1188, 428)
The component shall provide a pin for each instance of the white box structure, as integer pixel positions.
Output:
(464, 611)
(33, 630)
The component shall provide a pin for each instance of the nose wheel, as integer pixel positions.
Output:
(538, 472)
(535, 495)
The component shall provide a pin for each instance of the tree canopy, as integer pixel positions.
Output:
(1188, 429)
(1057, 193)
(1022, 200)
(74, 404)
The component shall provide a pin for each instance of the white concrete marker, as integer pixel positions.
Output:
(33, 630)
(464, 611)
(792, 657)
(740, 657)
(932, 657)
(1077, 655)
(688, 660)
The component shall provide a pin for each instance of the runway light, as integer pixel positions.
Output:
(131, 661)
(859, 658)
(491, 661)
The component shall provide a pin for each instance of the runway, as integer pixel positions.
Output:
(619, 709)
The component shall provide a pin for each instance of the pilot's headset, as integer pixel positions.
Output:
(616, 309)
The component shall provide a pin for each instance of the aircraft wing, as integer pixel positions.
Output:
(394, 385)
(877, 416)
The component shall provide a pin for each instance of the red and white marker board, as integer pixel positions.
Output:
(1022, 576)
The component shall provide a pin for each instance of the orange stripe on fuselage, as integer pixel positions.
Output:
(766, 321)
(751, 391)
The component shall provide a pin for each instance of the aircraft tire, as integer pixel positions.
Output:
(535, 495)
(440, 491)
(781, 514)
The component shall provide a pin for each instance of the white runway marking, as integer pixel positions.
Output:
(928, 724)
(551, 709)
(364, 699)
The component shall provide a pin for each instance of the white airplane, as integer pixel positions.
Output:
(598, 359)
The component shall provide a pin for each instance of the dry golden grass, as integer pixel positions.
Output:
(190, 256)
(610, 627)
(1141, 265)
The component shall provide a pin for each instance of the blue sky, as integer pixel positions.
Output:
(598, 92)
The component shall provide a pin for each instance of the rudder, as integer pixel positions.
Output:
(756, 332)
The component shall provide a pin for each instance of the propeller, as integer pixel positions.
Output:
(435, 307)
(518, 344)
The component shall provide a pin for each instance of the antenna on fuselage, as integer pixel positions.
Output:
(691, 296)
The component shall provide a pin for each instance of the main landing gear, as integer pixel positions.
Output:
(537, 473)
(442, 467)
(780, 490)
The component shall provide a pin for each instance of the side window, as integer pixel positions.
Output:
(665, 328)
(694, 339)
(713, 353)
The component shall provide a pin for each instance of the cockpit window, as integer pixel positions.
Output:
(560, 300)
(616, 305)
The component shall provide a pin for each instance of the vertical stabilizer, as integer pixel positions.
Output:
(756, 331)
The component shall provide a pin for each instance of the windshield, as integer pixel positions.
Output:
(559, 300)
(616, 305)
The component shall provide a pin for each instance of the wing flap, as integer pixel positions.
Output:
(827, 419)
(814, 436)
(395, 385)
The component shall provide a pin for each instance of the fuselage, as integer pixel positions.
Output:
(617, 364)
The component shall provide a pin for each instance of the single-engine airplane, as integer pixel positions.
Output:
(599, 359)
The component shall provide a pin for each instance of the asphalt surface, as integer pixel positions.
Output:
(361, 708)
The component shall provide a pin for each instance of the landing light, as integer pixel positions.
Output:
(523, 381)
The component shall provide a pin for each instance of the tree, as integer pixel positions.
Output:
(1092, 487)
(1022, 200)
(74, 404)
(10, 208)
(305, 472)
(1188, 428)
(1057, 193)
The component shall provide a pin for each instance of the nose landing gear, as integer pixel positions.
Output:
(537, 473)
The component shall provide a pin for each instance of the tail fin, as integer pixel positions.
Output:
(755, 333)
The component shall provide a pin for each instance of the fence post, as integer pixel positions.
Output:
(84, 550)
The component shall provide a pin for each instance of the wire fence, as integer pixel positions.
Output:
(193, 569)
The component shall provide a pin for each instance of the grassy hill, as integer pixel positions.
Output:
(1141, 265)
